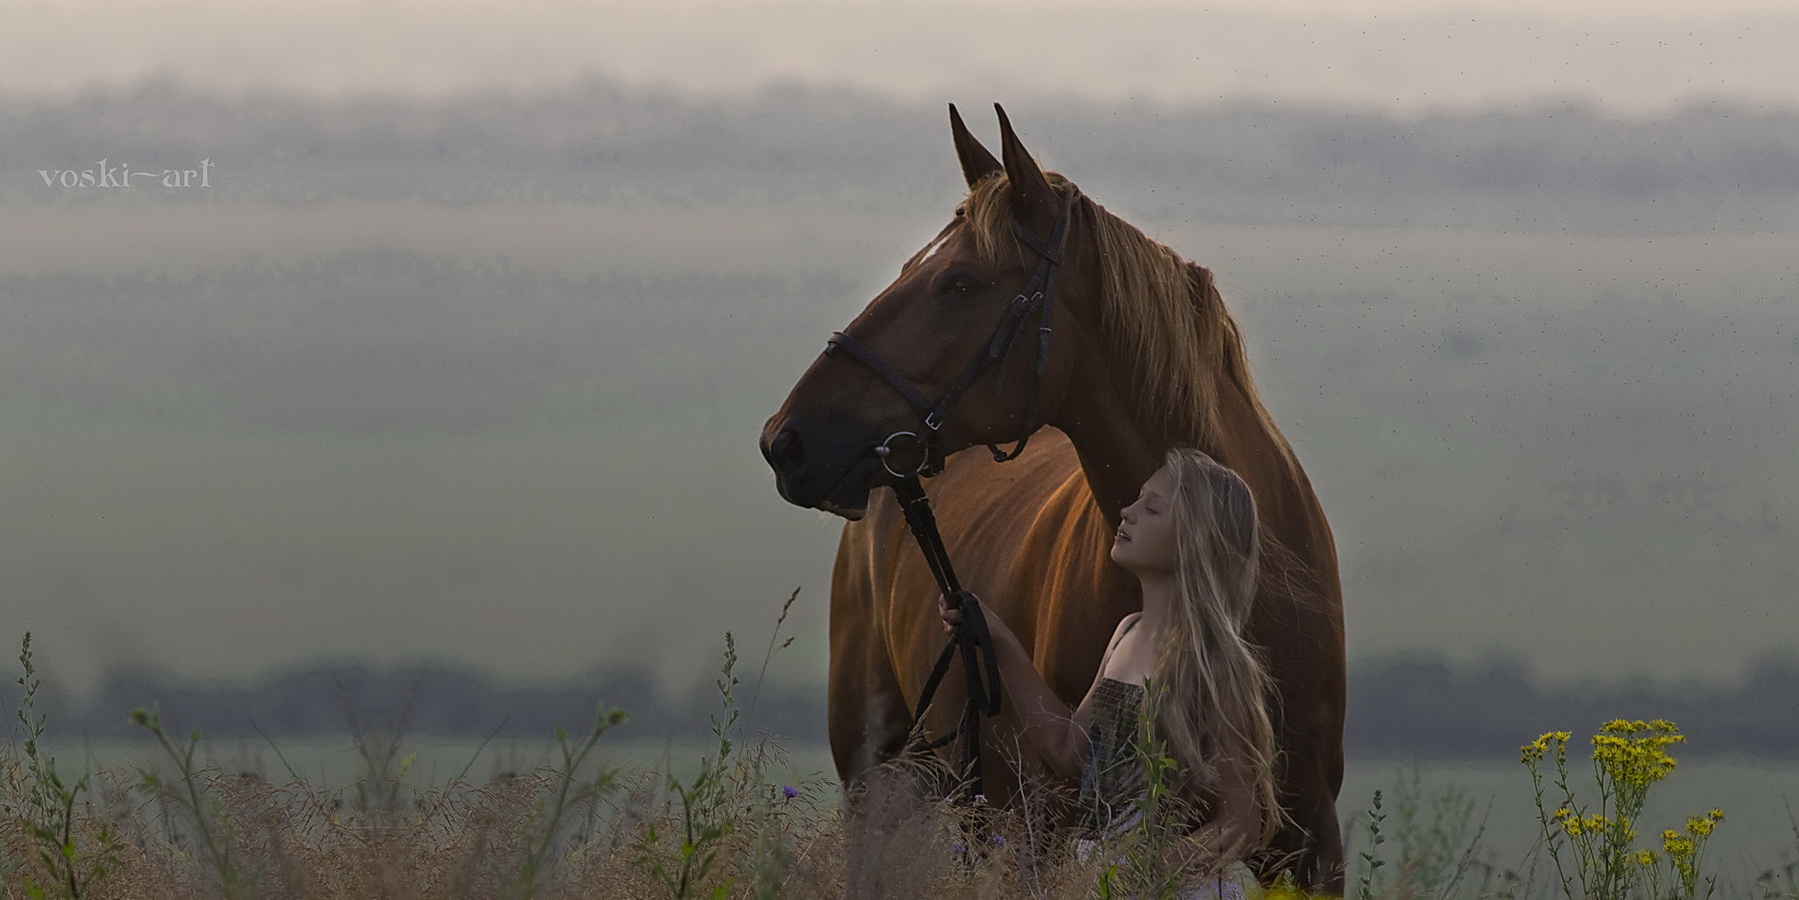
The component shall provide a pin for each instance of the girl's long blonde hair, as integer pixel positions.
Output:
(1213, 683)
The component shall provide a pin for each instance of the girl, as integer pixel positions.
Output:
(1191, 540)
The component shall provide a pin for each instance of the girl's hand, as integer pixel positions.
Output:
(952, 618)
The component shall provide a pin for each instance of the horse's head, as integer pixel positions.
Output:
(951, 354)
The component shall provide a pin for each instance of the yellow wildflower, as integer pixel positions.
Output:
(1630, 752)
(1284, 889)
(1678, 845)
(1535, 750)
(1646, 857)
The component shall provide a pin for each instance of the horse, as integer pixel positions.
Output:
(1136, 354)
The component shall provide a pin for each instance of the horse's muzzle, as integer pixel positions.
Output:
(819, 470)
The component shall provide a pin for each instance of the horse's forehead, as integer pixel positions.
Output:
(931, 249)
(956, 239)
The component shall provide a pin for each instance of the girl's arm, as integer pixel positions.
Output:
(1057, 733)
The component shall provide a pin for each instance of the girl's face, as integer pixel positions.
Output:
(1145, 538)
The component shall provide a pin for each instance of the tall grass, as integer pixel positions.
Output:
(71, 859)
(581, 827)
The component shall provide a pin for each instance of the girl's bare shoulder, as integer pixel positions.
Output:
(1119, 631)
(1131, 652)
(1113, 642)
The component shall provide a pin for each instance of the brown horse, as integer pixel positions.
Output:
(1144, 357)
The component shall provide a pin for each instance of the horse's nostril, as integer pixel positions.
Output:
(785, 448)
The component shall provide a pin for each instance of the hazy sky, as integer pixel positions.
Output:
(1393, 55)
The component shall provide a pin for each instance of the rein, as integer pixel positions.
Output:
(980, 661)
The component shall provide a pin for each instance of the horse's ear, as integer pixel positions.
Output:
(1032, 196)
(977, 162)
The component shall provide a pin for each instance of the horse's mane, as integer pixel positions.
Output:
(1164, 321)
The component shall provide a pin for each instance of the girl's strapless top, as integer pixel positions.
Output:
(1114, 778)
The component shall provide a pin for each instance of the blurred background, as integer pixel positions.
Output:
(420, 350)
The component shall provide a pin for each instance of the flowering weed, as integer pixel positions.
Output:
(1629, 757)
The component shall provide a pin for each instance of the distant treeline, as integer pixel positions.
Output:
(1407, 706)
(1423, 707)
(1552, 167)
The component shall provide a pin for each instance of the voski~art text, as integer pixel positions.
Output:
(106, 175)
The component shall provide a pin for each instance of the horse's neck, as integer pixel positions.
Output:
(1118, 452)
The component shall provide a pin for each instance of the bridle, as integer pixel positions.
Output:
(1036, 296)
(980, 662)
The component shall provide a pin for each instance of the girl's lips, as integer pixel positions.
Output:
(1121, 535)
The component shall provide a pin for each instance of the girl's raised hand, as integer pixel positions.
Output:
(952, 618)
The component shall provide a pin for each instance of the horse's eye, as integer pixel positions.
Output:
(961, 285)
